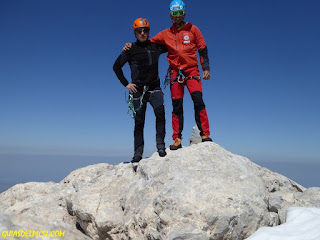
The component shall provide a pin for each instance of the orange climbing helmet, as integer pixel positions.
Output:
(141, 22)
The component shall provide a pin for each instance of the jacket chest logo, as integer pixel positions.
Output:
(186, 38)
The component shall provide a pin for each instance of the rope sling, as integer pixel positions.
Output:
(132, 111)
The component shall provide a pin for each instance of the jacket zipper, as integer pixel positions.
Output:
(149, 56)
(175, 38)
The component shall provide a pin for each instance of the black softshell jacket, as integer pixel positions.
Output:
(143, 59)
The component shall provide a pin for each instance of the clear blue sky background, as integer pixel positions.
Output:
(60, 96)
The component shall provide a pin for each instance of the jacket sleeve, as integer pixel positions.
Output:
(204, 59)
(159, 38)
(202, 48)
(163, 49)
(117, 68)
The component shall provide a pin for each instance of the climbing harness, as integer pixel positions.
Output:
(180, 78)
(132, 111)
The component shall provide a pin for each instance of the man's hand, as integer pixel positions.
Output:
(206, 75)
(127, 46)
(132, 87)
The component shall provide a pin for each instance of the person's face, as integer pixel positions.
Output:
(177, 16)
(142, 34)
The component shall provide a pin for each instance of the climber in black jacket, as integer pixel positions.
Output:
(143, 59)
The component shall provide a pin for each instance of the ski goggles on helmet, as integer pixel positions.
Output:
(143, 29)
(178, 13)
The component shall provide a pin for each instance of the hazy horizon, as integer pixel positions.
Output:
(21, 168)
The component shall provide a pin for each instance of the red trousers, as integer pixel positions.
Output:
(194, 87)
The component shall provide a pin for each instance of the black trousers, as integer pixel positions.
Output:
(155, 98)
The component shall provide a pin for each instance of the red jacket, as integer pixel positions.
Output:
(182, 45)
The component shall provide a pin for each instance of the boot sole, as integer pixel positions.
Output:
(172, 147)
(207, 140)
(162, 153)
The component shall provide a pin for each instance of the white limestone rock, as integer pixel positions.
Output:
(197, 192)
(195, 136)
(37, 199)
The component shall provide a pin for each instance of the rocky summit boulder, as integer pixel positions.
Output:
(197, 192)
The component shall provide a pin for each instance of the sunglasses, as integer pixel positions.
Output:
(140, 30)
(178, 13)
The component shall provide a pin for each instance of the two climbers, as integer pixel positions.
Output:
(181, 41)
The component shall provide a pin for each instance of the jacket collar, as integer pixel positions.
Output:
(142, 44)
(186, 27)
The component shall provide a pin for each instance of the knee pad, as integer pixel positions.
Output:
(198, 100)
(177, 105)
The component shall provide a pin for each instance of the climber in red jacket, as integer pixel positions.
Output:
(182, 40)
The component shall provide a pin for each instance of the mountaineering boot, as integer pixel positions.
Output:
(176, 145)
(206, 138)
(162, 152)
(136, 159)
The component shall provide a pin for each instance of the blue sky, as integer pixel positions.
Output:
(59, 95)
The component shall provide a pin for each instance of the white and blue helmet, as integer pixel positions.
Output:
(177, 5)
